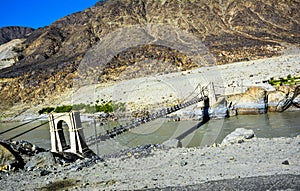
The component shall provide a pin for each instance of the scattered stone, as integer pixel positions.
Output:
(76, 168)
(173, 143)
(25, 147)
(44, 172)
(286, 162)
(65, 157)
(214, 145)
(40, 161)
(111, 182)
(143, 151)
(183, 163)
(238, 136)
(232, 112)
(86, 184)
(10, 160)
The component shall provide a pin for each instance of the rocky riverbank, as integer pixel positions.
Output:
(244, 158)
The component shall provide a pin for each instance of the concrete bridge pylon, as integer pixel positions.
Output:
(59, 143)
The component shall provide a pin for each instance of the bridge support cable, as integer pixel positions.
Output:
(27, 131)
(21, 125)
(139, 121)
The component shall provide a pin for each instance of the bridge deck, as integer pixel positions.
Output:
(139, 121)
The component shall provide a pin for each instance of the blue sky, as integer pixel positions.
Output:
(38, 13)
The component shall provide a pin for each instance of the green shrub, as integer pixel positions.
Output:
(46, 110)
(63, 108)
(106, 107)
(290, 80)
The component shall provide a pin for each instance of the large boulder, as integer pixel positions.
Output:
(275, 100)
(10, 160)
(26, 148)
(253, 101)
(41, 160)
(238, 136)
(172, 143)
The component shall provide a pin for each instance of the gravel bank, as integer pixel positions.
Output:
(257, 160)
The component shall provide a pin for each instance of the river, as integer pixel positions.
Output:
(269, 125)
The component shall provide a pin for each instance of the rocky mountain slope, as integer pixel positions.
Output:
(9, 53)
(9, 33)
(233, 30)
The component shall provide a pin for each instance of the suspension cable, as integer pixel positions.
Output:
(21, 125)
(20, 134)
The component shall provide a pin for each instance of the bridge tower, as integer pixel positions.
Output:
(76, 136)
(208, 91)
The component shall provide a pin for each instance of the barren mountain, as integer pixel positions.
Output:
(9, 33)
(232, 30)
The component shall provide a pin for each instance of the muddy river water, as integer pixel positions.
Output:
(190, 133)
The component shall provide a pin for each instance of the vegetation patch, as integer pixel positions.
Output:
(103, 106)
(46, 110)
(289, 80)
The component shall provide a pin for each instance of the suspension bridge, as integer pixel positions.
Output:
(78, 143)
(139, 121)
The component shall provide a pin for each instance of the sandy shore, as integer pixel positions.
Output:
(176, 168)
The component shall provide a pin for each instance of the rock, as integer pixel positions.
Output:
(88, 153)
(76, 168)
(173, 143)
(253, 101)
(65, 157)
(219, 109)
(40, 161)
(8, 53)
(25, 147)
(232, 112)
(10, 160)
(238, 136)
(286, 162)
(44, 172)
(13, 32)
(274, 99)
(183, 163)
(277, 98)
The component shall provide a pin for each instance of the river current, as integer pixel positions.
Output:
(190, 133)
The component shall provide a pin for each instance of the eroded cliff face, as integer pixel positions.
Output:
(232, 30)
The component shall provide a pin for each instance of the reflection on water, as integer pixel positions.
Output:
(269, 125)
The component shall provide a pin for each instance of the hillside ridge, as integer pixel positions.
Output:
(232, 30)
